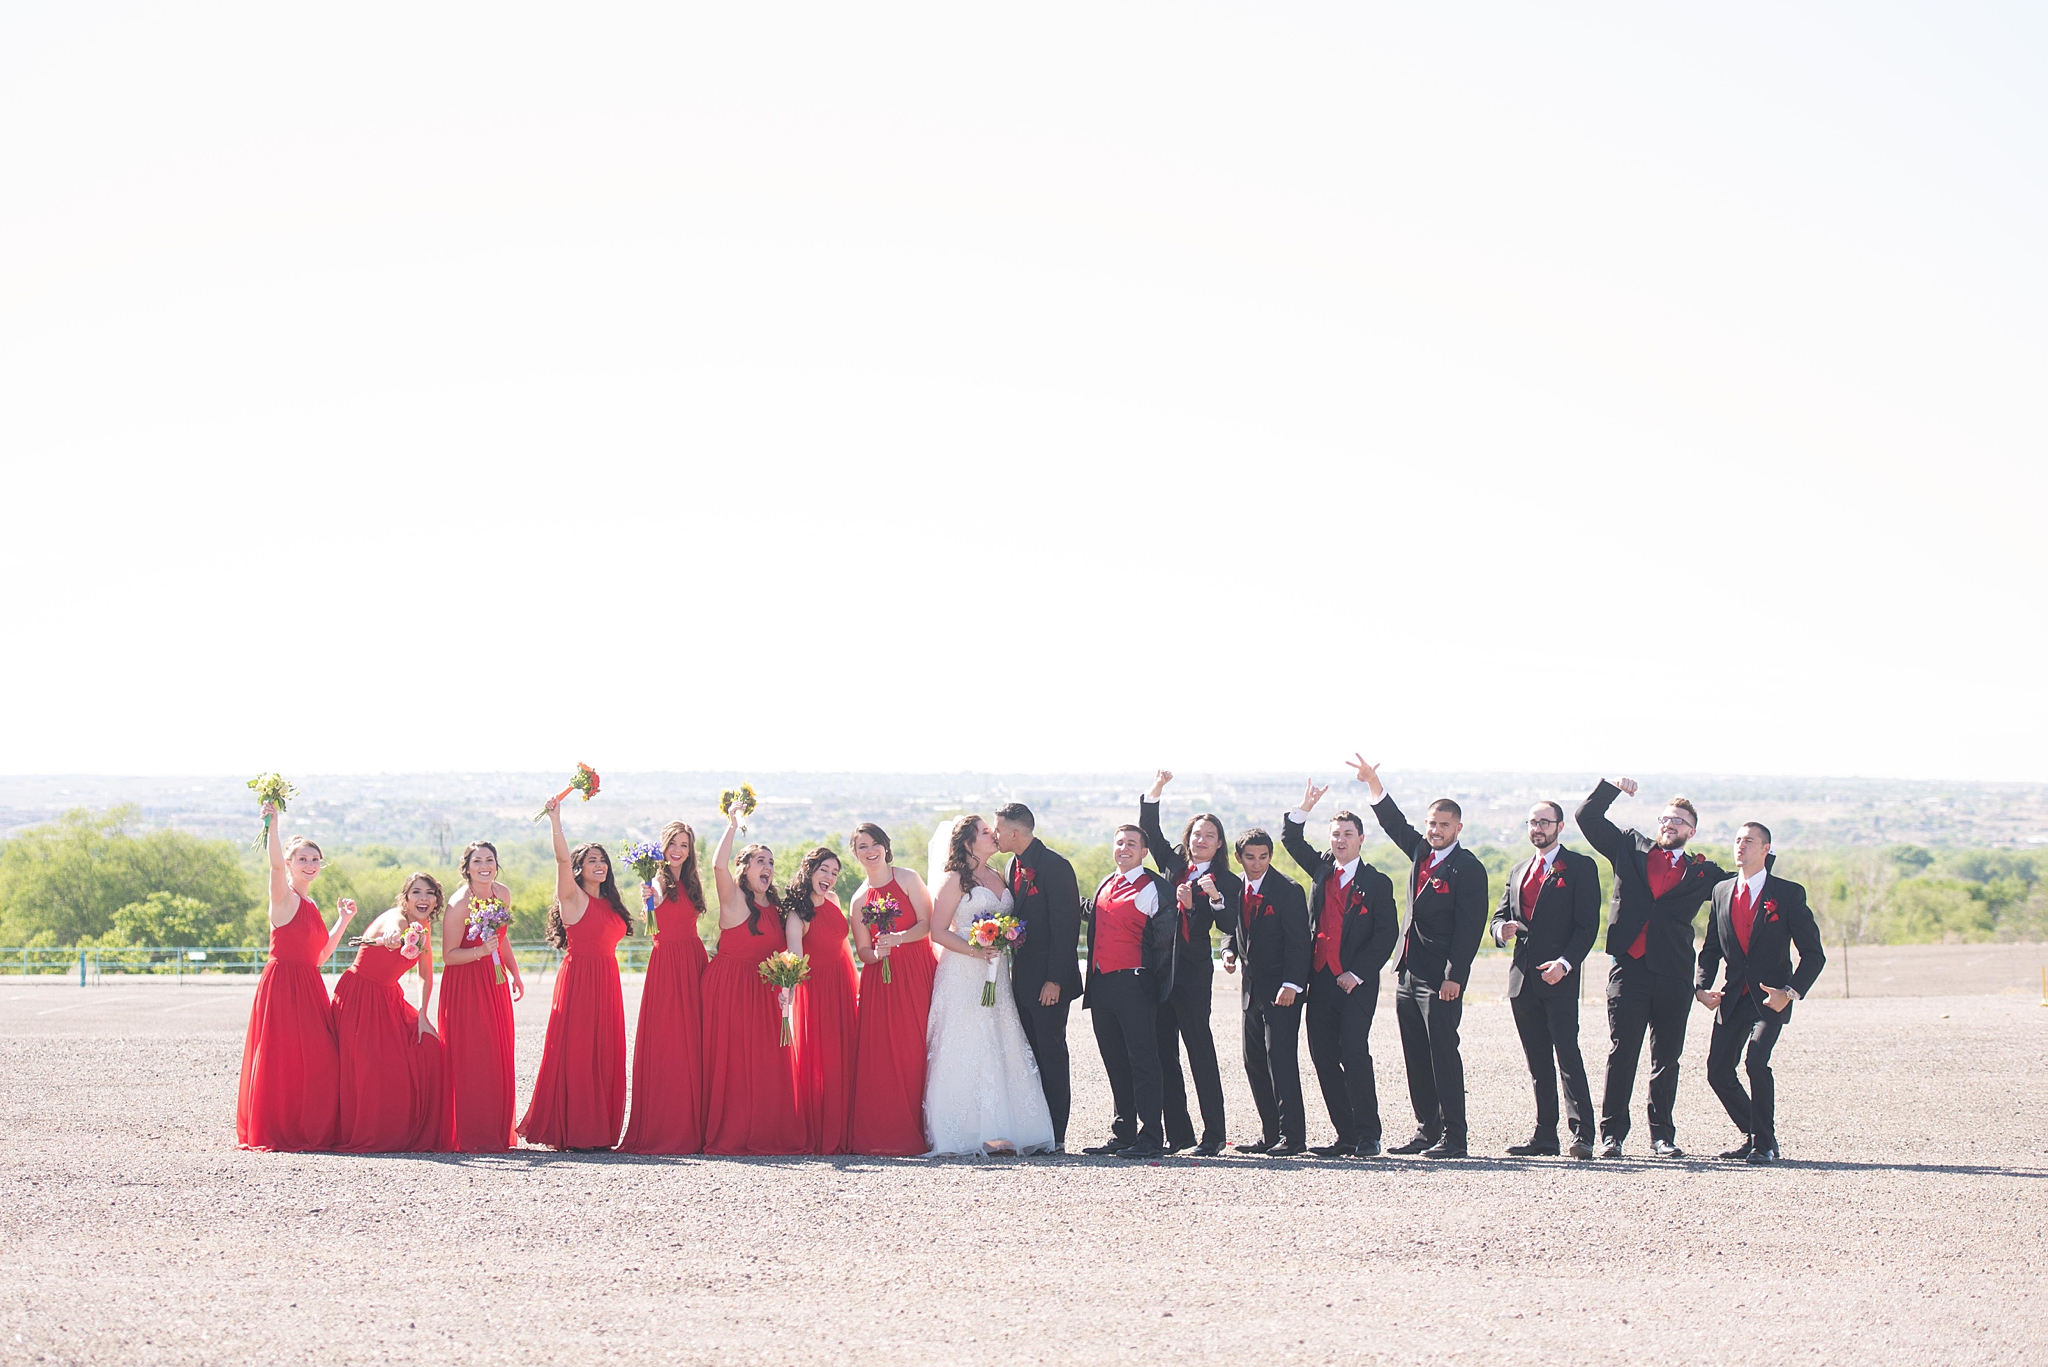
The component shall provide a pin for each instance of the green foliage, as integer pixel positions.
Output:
(63, 883)
(167, 918)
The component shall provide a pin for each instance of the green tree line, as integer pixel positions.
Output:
(95, 880)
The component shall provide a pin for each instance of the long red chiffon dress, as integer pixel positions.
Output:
(749, 1078)
(394, 1080)
(825, 1034)
(888, 1104)
(476, 1036)
(290, 1069)
(579, 1099)
(668, 1045)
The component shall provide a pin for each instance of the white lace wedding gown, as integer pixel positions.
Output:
(981, 1084)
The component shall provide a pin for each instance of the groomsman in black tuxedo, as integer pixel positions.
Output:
(1352, 904)
(1045, 970)
(1205, 894)
(1130, 970)
(1550, 909)
(1270, 942)
(1658, 888)
(1757, 919)
(1446, 918)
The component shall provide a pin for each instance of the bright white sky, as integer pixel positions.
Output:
(1092, 386)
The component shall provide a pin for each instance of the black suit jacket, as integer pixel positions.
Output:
(1273, 947)
(1448, 917)
(1191, 937)
(1049, 905)
(1669, 917)
(1160, 934)
(1783, 920)
(1371, 918)
(1564, 924)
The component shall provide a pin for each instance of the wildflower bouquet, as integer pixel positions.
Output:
(994, 930)
(585, 783)
(487, 918)
(644, 858)
(271, 788)
(784, 971)
(741, 797)
(879, 916)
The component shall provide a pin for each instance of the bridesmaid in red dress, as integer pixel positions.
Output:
(888, 1103)
(290, 1069)
(749, 1078)
(394, 1073)
(579, 1099)
(815, 925)
(668, 1047)
(477, 992)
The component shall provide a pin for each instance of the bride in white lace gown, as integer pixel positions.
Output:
(981, 1087)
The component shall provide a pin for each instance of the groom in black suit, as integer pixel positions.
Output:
(1045, 970)
(1757, 919)
(1550, 909)
(1206, 893)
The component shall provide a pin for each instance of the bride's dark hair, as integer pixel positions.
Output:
(959, 854)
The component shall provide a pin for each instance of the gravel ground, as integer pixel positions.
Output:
(1908, 1224)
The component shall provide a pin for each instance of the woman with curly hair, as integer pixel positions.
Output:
(579, 1099)
(816, 926)
(749, 1078)
(394, 1072)
(668, 1046)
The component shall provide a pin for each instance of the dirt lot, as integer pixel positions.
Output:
(1909, 1224)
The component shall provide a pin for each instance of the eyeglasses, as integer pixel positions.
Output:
(1674, 821)
(1543, 821)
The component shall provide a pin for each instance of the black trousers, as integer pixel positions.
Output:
(1125, 1006)
(1339, 1043)
(1744, 1029)
(1638, 999)
(1429, 1044)
(1272, 1065)
(1184, 1015)
(1045, 1030)
(1549, 1026)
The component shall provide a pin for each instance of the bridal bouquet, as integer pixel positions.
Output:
(879, 916)
(784, 970)
(644, 858)
(585, 783)
(271, 788)
(994, 930)
(487, 916)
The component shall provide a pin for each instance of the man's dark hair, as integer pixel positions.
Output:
(1138, 831)
(1017, 814)
(1254, 836)
(1759, 828)
(1444, 804)
(1552, 804)
(1351, 817)
(1684, 804)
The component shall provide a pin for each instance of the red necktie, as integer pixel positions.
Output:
(1016, 865)
(1744, 917)
(1422, 874)
(1532, 888)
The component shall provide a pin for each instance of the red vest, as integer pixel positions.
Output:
(1664, 874)
(1532, 888)
(1119, 926)
(1330, 927)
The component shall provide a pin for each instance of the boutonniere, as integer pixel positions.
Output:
(1026, 880)
(1770, 911)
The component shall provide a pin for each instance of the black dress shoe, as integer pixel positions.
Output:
(1580, 1149)
(1664, 1148)
(1208, 1148)
(1446, 1147)
(1287, 1151)
(1106, 1150)
(1331, 1150)
(1736, 1155)
(1180, 1148)
(1610, 1147)
(1761, 1158)
(1367, 1148)
(1422, 1140)
(1138, 1150)
(1535, 1148)
(1263, 1146)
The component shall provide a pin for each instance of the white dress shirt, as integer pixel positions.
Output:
(1148, 894)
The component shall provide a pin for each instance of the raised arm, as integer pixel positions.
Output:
(1164, 858)
(1294, 840)
(1601, 832)
(569, 894)
(1405, 837)
(729, 894)
(284, 902)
